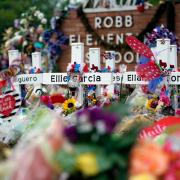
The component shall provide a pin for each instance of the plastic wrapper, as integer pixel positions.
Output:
(137, 101)
(11, 131)
(32, 158)
(139, 104)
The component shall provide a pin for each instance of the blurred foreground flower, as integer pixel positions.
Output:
(147, 157)
(144, 176)
(87, 164)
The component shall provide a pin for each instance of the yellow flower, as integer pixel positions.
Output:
(152, 104)
(69, 105)
(144, 176)
(87, 164)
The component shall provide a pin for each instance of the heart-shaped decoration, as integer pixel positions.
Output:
(7, 105)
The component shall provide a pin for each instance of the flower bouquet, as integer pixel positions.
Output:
(95, 152)
(157, 159)
(88, 150)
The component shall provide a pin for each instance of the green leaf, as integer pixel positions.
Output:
(104, 162)
(101, 177)
(119, 109)
(66, 161)
(118, 159)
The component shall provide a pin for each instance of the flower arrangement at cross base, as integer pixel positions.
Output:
(156, 97)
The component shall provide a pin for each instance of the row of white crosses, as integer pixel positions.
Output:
(15, 55)
(166, 52)
(77, 54)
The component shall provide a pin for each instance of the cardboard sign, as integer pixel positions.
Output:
(7, 104)
(159, 127)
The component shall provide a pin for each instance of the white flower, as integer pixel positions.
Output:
(25, 43)
(31, 29)
(77, 104)
(7, 43)
(23, 21)
(100, 126)
(16, 33)
(85, 127)
(16, 38)
(44, 21)
(37, 13)
(40, 16)
(41, 39)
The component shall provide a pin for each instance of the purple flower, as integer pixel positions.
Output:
(161, 32)
(97, 114)
(16, 23)
(55, 39)
(71, 133)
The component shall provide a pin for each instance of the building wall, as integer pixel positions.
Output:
(72, 25)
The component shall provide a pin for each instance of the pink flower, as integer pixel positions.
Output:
(173, 172)
(165, 99)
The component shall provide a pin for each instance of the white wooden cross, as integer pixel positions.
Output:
(13, 56)
(77, 55)
(95, 59)
(37, 64)
(110, 62)
(163, 51)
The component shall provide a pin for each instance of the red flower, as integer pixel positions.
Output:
(57, 98)
(45, 99)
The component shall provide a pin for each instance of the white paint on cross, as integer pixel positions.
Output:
(14, 57)
(95, 59)
(36, 63)
(163, 51)
(77, 55)
(110, 62)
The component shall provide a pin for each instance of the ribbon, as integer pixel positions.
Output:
(154, 83)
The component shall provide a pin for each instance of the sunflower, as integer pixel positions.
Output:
(69, 105)
(152, 104)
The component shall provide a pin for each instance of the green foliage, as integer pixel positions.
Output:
(119, 109)
(154, 2)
